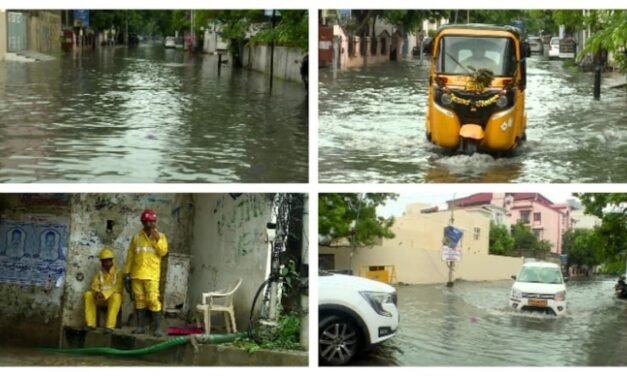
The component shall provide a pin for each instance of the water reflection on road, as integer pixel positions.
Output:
(372, 130)
(471, 325)
(148, 115)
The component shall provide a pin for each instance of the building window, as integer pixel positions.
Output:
(537, 217)
(524, 216)
(538, 233)
(477, 232)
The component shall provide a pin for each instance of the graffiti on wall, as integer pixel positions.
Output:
(33, 253)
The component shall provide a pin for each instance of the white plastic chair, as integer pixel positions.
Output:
(224, 304)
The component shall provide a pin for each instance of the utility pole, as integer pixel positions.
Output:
(191, 30)
(272, 49)
(336, 43)
(354, 232)
(598, 67)
(451, 264)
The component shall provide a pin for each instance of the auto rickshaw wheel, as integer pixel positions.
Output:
(469, 146)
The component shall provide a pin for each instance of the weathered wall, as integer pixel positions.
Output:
(418, 266)
(229, 243)
(3, 34)
(88, 235)
(286, 61)
(32, 313)
(44, 31)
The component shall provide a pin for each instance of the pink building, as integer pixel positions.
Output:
(547, 220)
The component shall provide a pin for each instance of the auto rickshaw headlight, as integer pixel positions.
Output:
(502, 101)
(446, 99)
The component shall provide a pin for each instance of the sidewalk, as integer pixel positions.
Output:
(614, 80)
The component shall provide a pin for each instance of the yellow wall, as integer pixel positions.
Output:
(44, 31)
(3, 34)
(415, 251)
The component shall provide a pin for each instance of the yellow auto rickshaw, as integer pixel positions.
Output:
(477, 88)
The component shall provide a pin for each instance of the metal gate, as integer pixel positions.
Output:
(17, 31)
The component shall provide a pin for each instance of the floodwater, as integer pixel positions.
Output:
(147, 114)
(372, 129)
(22, 356)
(471, 324)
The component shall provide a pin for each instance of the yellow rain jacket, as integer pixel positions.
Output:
(108, 283)
(143, 259)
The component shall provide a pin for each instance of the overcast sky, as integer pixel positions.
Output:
(396, 208)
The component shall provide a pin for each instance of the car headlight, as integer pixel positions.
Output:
(516, 294)
(377, 299)
(446, 99)
(502, 101)
(560, 296)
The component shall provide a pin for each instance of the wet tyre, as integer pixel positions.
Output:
(469, 147)
(339, 340)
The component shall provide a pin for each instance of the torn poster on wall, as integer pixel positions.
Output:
(33, 253)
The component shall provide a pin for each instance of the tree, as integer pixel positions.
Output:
(526, 242)
(353, 216)
(501, 242)
(612, 233)
(610, 35)
(582, 247)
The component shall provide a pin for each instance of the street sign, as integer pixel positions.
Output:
(81, 18)
(451, 254)
(452, 236)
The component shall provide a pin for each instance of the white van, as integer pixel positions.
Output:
(354, 313)
(539, 287)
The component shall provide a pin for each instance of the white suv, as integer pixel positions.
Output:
(354, 313)
(539, 287)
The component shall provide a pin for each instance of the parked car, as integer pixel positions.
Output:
(354, 313)
(554, 48)
(170, 42)
(536, 45)
(539, 287)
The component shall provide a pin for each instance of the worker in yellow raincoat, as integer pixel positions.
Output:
(106, 290)
(143, 270)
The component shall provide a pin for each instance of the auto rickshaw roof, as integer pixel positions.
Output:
(480, 27)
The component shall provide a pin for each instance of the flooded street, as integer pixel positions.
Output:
(21, 356)
(147, 114)
(472, 325)
(372, 129)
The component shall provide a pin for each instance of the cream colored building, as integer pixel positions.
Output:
(415, 252)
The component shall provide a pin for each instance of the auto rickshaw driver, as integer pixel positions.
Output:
(478, 60)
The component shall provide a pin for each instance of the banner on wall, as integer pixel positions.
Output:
(33, 253)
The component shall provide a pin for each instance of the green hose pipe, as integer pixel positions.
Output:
(173, 342)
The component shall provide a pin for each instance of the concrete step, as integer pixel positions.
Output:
(27, 56)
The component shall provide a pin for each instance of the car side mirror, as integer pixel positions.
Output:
(428, 48)
(514, 277)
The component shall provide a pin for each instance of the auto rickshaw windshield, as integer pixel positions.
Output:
(465, 54)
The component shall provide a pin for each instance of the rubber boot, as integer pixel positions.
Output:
(156, 324)
(141, 321)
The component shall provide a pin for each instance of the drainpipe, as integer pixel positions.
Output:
(304, 298)
(269, 312)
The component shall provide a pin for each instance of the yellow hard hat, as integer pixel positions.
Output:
(106, 253)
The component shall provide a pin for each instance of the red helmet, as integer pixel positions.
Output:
(149, 215)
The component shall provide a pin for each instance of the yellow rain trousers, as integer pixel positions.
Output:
(143, 263)
(110, 285)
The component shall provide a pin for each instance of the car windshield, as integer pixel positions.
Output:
(535, 274)
(464, 55)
